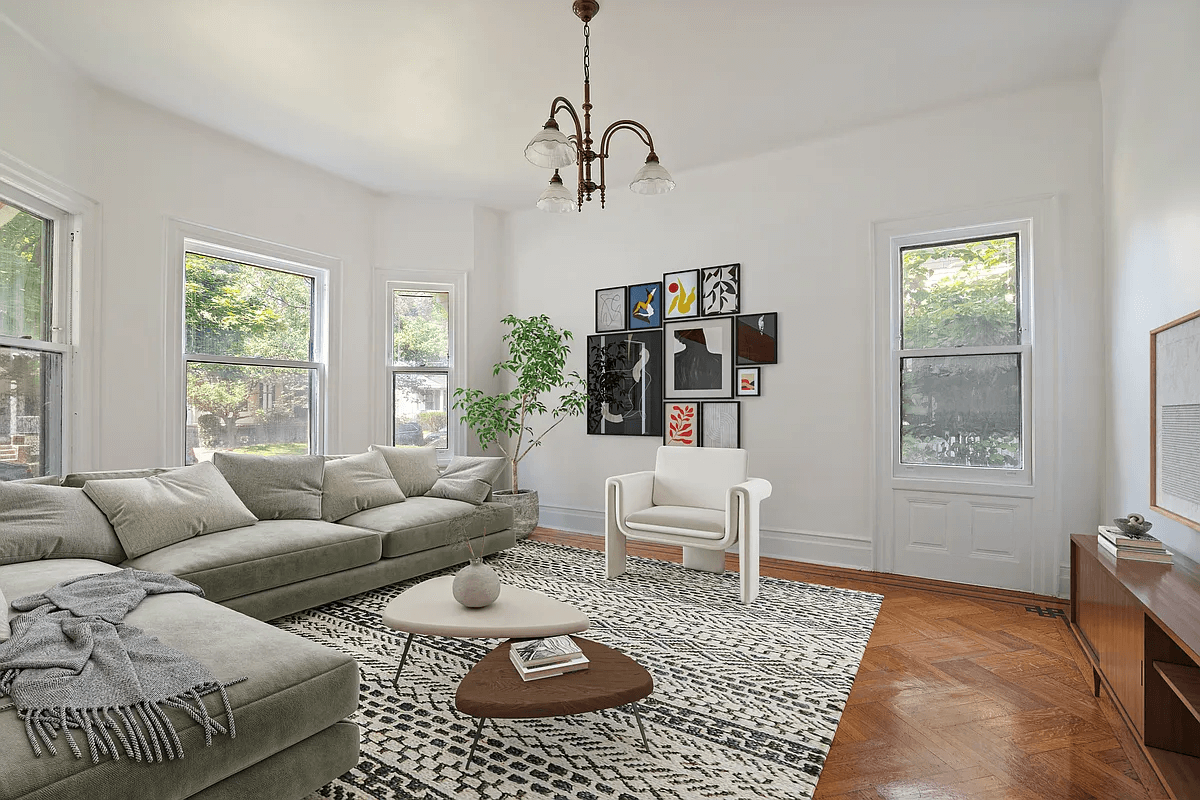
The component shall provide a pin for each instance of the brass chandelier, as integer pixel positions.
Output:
(552, 149)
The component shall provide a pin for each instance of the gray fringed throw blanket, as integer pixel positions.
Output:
(72, 665)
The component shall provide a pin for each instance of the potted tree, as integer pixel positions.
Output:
(537, 360)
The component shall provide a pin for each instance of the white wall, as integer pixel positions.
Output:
(1151, 88)
(799, 221)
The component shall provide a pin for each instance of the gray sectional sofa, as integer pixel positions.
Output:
(292, 733)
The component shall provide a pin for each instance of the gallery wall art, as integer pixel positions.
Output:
(699, 358)
(645, 306)
(1175, 420)
(721, 424)
(624, 380)
(610, 309)
(757, 339)
(683, 424)
(721, 290)
(682, 290)
(749, 382)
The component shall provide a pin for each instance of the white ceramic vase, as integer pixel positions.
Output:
(476, 585)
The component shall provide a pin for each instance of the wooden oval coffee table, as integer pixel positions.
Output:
(494, 690)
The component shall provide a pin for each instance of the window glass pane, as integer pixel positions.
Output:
(420, 328)
(960, 294)
(233, 309)
(419, 408)
(30, 413)
(961, 411)
(25, 248)
(260, 410)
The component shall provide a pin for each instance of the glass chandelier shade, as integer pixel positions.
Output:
(550, 148)
(652, 178)
(557, 198)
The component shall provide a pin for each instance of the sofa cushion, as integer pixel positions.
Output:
(5, 630)
(275, 487)
(294, 689)
(40, 521)
(78, 479)
(414, 468)
(45, 480)
(697, 476)
(149, 513)
(686, 520)
(422, 523)
(268, 554)
(356, 483)
(468, 478)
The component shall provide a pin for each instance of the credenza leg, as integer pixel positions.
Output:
(1095, 682)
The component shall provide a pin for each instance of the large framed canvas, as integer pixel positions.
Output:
(699, 358)
(610, 309)
(680, 293)
(721, 424)
(645, 306)
(683, 424)
(721, 290)
(624, 383)
(757, 339)
(1175, 420)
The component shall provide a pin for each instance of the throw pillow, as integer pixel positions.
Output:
(414, 468)
(468, 478)
(275, 487)
(5, 632)
(41, 521)
(357, 483)
(151, 513)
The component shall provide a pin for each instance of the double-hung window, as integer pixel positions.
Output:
(420, 363)
(35, 257)
(963, 355)
(253, 352)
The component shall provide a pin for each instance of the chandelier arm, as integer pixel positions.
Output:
(560, 103)
(628, 125)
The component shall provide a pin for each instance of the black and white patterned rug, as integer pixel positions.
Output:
(745, 705)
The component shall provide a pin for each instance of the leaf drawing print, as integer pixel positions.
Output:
(721, 289)
(681, 425)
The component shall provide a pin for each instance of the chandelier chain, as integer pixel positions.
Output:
(587, 53)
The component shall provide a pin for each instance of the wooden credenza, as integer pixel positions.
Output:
(1139, 624)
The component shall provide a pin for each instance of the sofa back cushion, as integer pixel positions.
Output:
(156, 511)
(700, 477)
(414, 468)
(39, 521)
(44, 480)
(356, 483)
(468, 478)
(78, 479)
(275, 487)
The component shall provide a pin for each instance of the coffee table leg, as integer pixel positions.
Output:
(403, 658)
(638, 717)
(474, 742)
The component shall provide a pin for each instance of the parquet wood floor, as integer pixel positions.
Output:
(962, 693)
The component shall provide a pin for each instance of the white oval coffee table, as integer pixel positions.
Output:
(430, 609)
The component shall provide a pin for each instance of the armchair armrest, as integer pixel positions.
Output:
(754, 490)
(631, 492)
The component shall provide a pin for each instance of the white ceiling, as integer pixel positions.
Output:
(438, 97)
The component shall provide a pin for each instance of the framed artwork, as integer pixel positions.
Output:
(610, 309)
(624, 384)
(749, 382)
(645, 306)
(720, 290)
(680, 295)
(683, 424)
(757, 339)
(721, 424)
(699, 358)
(1175, 420)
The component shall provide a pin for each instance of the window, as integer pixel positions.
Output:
(420, 363)
(963, 354)
(34, 334)
(253, 353)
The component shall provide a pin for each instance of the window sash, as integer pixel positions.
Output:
(444, 371)
(456, 299)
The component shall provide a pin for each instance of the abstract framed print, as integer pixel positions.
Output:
(645, 306)
(748, 381)
(757, 339)
(721, 290)
(721, 424)
(699, 358)
(683, 424)
(680, 291)
(624, 384)
(610, 309)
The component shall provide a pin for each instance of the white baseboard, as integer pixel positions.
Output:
(813, 547)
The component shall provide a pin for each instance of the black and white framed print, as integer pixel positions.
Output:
(624, 384)
(645, 306)
(721, 424)
(757, 339)
(610, 309)
(721, 290)
(681, 290)
(748, 381)
(699, 358)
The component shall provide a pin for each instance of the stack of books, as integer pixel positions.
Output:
(545, 658)
(1132, 546)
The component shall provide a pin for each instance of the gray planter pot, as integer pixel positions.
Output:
(525, 509)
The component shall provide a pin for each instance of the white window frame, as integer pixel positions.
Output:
(187, 238)
(1023, 228)
(387, 281)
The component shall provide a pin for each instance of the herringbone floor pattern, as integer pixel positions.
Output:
(963, 693)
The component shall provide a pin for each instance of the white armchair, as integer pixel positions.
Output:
(697, 497)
